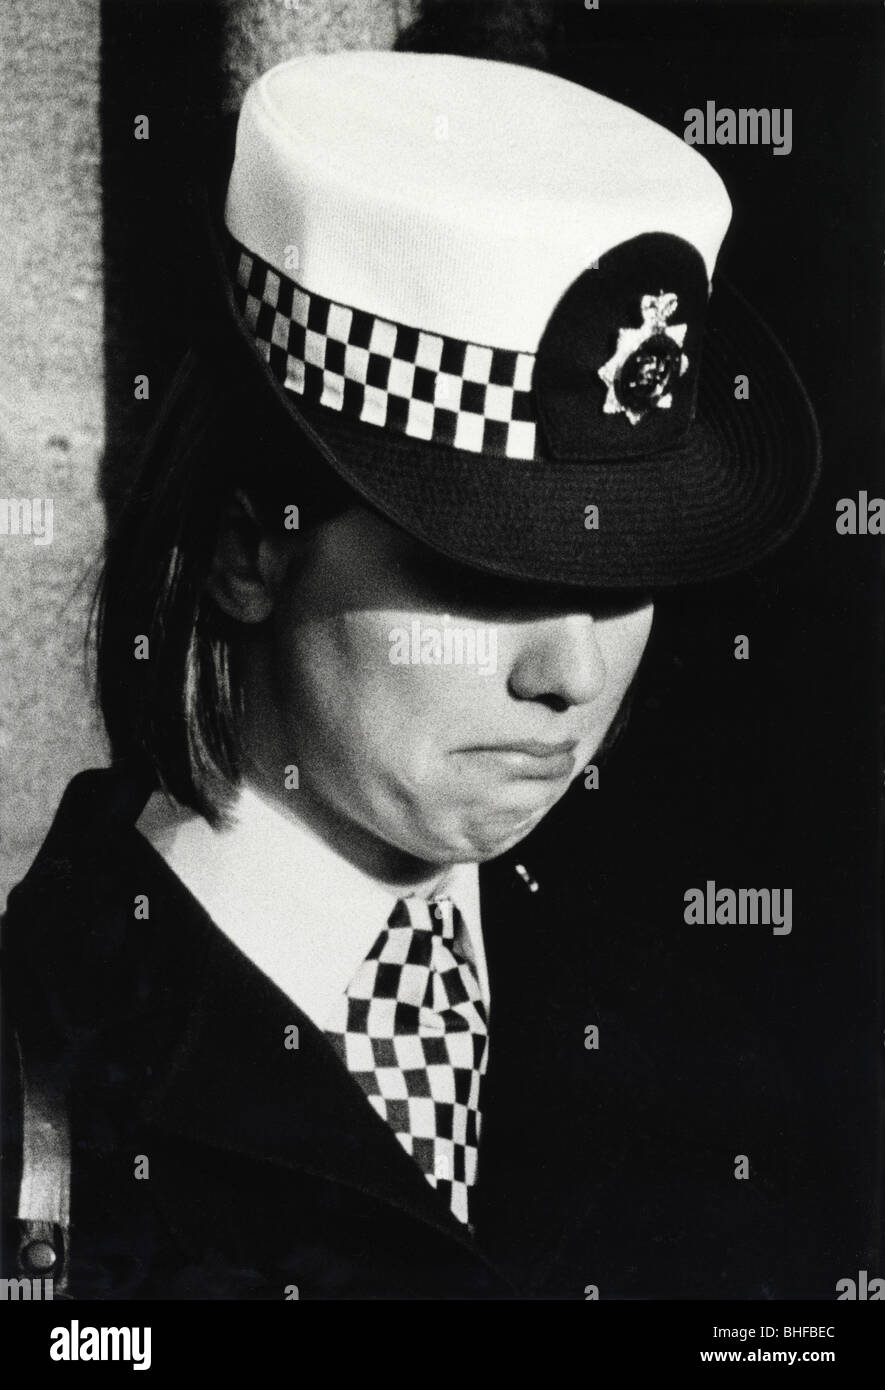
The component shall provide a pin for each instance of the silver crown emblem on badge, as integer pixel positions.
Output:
(647, 360)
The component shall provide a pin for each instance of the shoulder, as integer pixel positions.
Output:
(75, 946)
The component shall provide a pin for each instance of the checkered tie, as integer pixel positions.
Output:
(412, 1029)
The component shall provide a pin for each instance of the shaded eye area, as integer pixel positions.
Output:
(449, 585)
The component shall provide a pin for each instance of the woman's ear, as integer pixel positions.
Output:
(249, 563)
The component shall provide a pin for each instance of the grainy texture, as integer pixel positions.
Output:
(260, 33)
(52, 361)
(51, 403)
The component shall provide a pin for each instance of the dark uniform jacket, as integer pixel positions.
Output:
(608, 1162)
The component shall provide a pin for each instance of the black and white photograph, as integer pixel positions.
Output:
(441, 655)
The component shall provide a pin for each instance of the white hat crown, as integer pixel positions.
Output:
(411, 229)
(457, 195)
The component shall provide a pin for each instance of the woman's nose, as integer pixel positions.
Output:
(559, 662)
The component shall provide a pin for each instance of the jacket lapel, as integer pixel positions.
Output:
(530, 1155)
(230, 1081)
(214, 1029)
(557, 1118)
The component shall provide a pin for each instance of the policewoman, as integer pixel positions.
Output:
(294, 1006)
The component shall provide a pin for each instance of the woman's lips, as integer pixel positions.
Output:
(532, 759)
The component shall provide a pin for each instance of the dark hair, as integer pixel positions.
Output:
(175, 717)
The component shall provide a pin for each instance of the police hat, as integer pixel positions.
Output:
(488, 295)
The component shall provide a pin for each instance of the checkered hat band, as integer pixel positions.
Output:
(416, 383)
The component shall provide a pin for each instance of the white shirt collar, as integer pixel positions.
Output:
(300, 912)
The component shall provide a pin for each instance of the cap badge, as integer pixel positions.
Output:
(647, 360)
